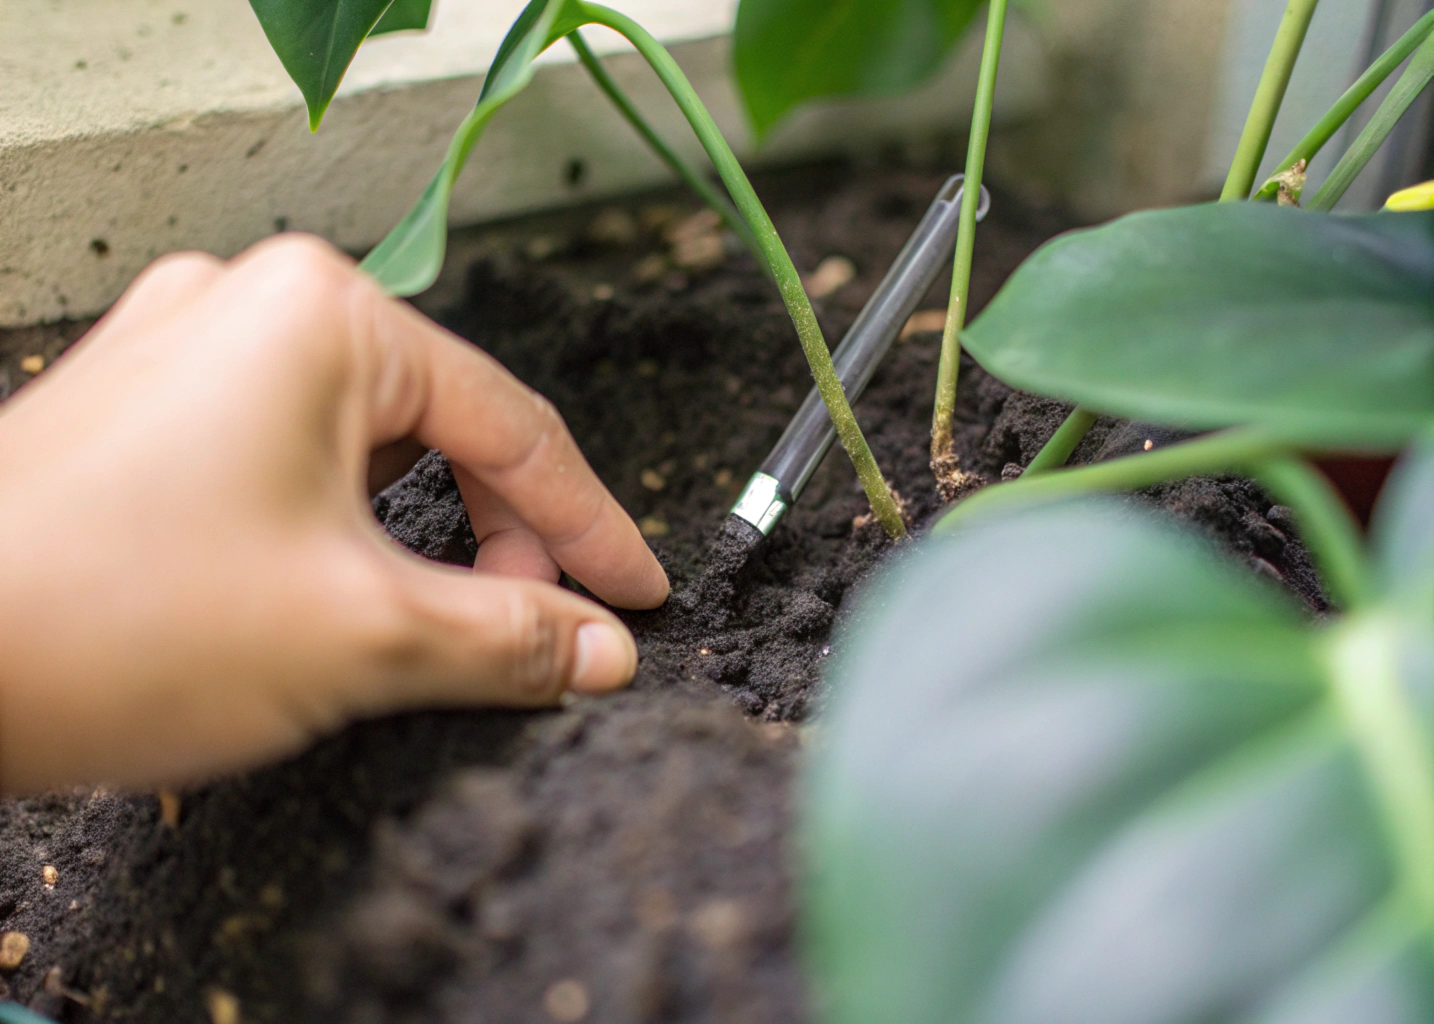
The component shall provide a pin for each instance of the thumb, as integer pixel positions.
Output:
(477, 638)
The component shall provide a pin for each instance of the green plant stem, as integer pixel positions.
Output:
(1404, 93)
(1309, 146)
(1064, 441)
(1270, 94)
(1326, 527)
(789, 283)
(1394, 744)
(1240, 448)
(694, 179)
(950, 364)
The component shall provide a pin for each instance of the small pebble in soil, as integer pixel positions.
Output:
(652, 480)
(923, 321)
(603, 292)
(649, 268)
(223, 1007)
(657, 216)
(566, 1001)
(647, 368)
(613, 226)
(702, 223)
(831, 276)
(700, 253)
(169, 808)
(51, 875)
(653, 527)
(32, 364)
(718, 924)
(13, 947)
(542, 247)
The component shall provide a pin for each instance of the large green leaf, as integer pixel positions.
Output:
(790, 51)
(1214, 315)
(410, 256)
(316, 41)
(1077, 769)
(404, 16)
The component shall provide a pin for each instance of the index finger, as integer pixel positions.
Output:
(488, 423)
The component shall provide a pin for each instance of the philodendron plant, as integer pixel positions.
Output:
(1079, 767)
(787, 51)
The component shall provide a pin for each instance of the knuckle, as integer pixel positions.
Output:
(531, 649)
(303, 262)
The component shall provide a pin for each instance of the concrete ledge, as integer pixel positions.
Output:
(131, 128)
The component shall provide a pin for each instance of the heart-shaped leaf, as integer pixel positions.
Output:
(404, 16)
(1077, 769)
(1210, 316)
(316, 41)
(790, 51)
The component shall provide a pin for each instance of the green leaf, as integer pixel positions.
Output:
(1208, 316)
(1078, 769)
(790, 51)
(316, 41)
(404, 16)
(410, 256)
(1403, 526)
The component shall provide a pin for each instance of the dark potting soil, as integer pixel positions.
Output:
(623, 859)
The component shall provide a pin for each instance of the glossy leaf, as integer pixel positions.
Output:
(316, 41)
(790, 51)
(410, 256)
(1077, 769)
(404, 16)
(1210, 316)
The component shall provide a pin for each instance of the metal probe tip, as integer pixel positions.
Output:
(761, 503)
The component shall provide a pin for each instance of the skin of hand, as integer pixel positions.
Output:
(192, 580)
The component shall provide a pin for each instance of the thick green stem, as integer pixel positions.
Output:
(1404, 93)
(789, 283)
(1268, 97)
(694, 179)
(1309, 146)
(1239, 449)
(950, 364)
(1326, 527)
(1064, 441)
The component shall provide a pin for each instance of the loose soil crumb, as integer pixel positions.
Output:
(619, 860)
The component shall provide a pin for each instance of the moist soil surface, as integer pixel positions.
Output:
(616, 860)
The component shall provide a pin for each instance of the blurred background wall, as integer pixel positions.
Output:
(129, 128)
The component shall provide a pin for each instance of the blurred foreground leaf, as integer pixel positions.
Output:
(1210, 316)
(1078, 769)
(790, 51)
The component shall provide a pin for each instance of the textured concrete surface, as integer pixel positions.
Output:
(130, 128)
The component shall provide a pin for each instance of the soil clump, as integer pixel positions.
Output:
(616, 860)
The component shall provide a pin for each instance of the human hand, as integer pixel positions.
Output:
(191, 576)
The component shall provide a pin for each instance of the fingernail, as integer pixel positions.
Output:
(605, 659)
